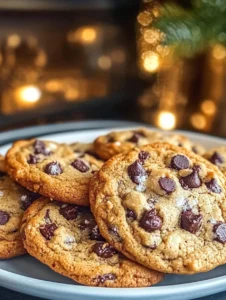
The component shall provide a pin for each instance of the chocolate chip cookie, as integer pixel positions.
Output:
(14, 199)
(217, 156)
(66, 238)
(167, 206)
(120, 141)
(51, 169)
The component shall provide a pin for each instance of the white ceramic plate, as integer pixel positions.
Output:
(25, 274)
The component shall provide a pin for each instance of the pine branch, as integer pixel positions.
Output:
(192, 31)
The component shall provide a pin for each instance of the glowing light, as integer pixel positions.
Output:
(208, 107)
(166, 120)
(219, 52)
(71, 94)
(30, 94)
(104, 62)
(53, 85)
(152, 36)
(86, 35)
(198, 121)
(144, 18)
(151, 62)
(13, 40)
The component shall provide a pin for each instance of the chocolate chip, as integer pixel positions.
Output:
(48, 230)
(135, 138)
(167, 185)
(101, 279)
(130, 214)
(4, 217)
(33, 159)
(194, 150)
(85, 224)
(179, 162)
(69, 211)
(80, 165)
(40, 148)
(216, 158)
(190, 222)
(110, 139)
(213, 186)
(192, 180)
(47, 217)
(150, 221)
(92, 153)
(27, 199)
(95, 234)
(104, 250)
(53, 168)
(220, 231)
(136, 172)
(114, 230)
(143, 155)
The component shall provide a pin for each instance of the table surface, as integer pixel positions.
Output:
(6, 294)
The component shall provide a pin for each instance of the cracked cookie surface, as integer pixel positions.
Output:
(167, 205)
(67, 239)
(117, 142)
(58, 171)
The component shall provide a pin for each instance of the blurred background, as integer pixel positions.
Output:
(150, 61)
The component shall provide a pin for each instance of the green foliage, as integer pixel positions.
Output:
(193, 30)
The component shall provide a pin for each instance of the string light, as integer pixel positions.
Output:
(198, 121)
(104, 62)
(144, 18)
(219, 52)
(29, 94)
(208, 107)
(166, 120)
(151, 62)
(86, 35)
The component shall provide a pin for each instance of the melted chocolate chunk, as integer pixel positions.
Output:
(53, 168)
(28, 198)
(220, 232)
(47, 230)
(85, 224)
(80, 165)
(95, 234)
(69, 211)
(194, 150)
(167, 185)
(110, 139)
(143, 155)
(130, 214)
(33, 159)
(150, 221)
(216, 159)
(40, 148)
(4, 217)
(179, 162)
(101, 279)
(192, 180)
(136, 172)
(190, 222)
(213, 186)
(104, 250)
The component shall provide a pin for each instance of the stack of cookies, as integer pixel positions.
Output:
(118, 212)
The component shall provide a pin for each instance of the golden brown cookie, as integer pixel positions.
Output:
(167, 206)
(51, 169)
(14, 199)
(66, 238)
(121, 141)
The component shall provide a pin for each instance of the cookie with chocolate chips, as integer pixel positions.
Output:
(168, 205)
(121, 141)
(217, 156)
(14, 200)
(58, 171)
(66, 238)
